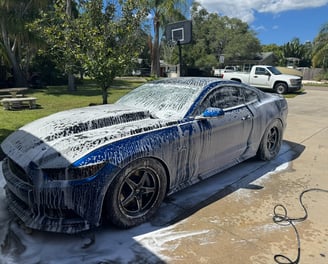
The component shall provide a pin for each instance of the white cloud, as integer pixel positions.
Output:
(245, 9)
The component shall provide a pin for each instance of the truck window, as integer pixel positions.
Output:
(260, 71)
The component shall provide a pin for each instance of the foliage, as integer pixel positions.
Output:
(294, 49)
(214, 35)
(320, 48)
(46, 68)
(102, 40)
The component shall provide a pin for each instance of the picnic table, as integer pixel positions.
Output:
(13, 91)
(12, 101)
(17, 103)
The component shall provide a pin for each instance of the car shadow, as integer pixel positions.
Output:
(188, 201)
(142, 244)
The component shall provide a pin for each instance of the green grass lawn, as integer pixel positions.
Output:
(53, 99)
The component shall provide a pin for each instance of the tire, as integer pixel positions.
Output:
(281, 88)
(271, 141)
(136, 193)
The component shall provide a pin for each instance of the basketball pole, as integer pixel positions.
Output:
(180, 57)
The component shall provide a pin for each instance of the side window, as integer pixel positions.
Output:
(260, 71)
(250, 96)
(223, 97)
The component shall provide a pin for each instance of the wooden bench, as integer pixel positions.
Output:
(16, 103)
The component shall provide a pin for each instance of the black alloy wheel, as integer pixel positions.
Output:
(136, 193)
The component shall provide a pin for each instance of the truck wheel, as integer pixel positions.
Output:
(281, 88)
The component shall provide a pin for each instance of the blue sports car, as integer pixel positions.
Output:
(76, 169)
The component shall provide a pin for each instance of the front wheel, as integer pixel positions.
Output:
(271, 141)
(281, 88)
(136, 193)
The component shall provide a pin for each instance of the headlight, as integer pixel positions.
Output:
(73, 173)
(295, 81)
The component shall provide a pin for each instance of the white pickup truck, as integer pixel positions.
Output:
(267, 77)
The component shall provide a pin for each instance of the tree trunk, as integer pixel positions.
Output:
(155, 64)
(71, 78)
(104, 95)
(19, 77)
(71, 82)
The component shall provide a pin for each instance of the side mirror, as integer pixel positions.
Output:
(267, 73)
(211, 112)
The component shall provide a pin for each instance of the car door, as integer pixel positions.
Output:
(260, 78)
(219, 141)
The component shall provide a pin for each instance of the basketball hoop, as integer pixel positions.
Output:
(169, 49)
(177, 34)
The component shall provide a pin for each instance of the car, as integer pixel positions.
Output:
(82, 168)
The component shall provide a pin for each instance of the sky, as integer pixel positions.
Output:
(275, 21)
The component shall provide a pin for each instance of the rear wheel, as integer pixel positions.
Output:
(136, 193)
(281, 88)
(271, 141)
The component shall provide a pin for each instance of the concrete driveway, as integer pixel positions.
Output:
(239, 227)
(225, 219)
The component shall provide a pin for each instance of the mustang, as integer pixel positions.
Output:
(77, 169)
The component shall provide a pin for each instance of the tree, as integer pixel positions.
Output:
(16, 43)
(162, 11)
(214, 35)
(294, 49)
(109, 44)
(320, 48)
(102, 39)
(56, 27)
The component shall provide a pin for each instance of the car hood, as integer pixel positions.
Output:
(62, 138)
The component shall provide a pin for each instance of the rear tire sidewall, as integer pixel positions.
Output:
(266, 150)
(114, 210)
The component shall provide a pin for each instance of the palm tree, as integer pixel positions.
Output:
(320, 48)
(162, 11)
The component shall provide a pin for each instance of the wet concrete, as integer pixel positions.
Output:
(225, 219)
(239, 226)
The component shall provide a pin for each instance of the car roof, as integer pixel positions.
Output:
(193, 81)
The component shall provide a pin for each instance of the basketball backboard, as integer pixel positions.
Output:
(179, 32)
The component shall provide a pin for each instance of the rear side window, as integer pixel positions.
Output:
(250, 96)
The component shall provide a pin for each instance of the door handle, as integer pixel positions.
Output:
(246, 117)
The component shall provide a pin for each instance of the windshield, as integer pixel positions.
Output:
(164, 100)
(274, 70)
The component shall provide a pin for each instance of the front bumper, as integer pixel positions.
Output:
(55, 206)
(295, 85)
(294, 88)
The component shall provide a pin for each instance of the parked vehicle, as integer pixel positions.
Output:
(219, 72)
(75, 169)
(267, 77)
